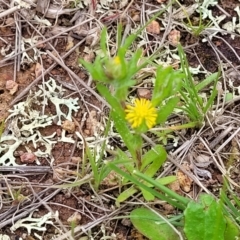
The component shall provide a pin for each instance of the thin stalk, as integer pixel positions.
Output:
(185, 68)
(184, 126)
(93, 164)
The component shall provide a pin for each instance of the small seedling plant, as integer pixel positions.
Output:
(132, 119)
(172, 89)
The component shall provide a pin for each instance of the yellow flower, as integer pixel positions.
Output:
(142, 111)
(116, 60)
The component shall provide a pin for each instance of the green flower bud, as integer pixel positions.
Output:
(115, 69)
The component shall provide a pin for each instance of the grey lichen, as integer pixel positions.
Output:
(31, 223)
(26, 120)
(8, 146)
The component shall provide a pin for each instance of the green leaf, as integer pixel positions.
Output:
(156, 153)
(229, 97)
(157, 194)
(133, 63)
(147, 195)
(152, 161)
(166, 110)
(124, 160)
(125, 195)
(168, 82)
(92, 163)
(2, 126)
(156, 156)
(188, 82)
(96, 69)
(207, 81)
(119, 35)
(128, 41)
(111, 100)
(166, 180)
(211, 98)
(104, 41)
(204, 220)
(179, 201)
(232, 231)
(151, 225)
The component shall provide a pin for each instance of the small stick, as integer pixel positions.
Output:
(220, 137)
(9, 11)
(25, 169)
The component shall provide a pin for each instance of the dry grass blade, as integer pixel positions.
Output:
(219, 138)
(42, 6)
(26, 169)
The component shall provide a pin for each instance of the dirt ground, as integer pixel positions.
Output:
(39, 188)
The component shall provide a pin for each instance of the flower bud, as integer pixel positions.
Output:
(115, 68)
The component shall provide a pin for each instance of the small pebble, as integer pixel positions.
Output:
(12, 86)
(144, 93)
(76, 160)
(28, 157)
(76, 218)
(69, 126)
(174, 37)
(153, 27)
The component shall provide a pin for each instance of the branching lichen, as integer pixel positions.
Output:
(26, 120)
(31, 223)
(8, 146)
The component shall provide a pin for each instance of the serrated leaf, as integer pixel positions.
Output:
(157, 155)
(167, 109)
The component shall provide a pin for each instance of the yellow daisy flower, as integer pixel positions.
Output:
(116, 60)
(142, 111)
